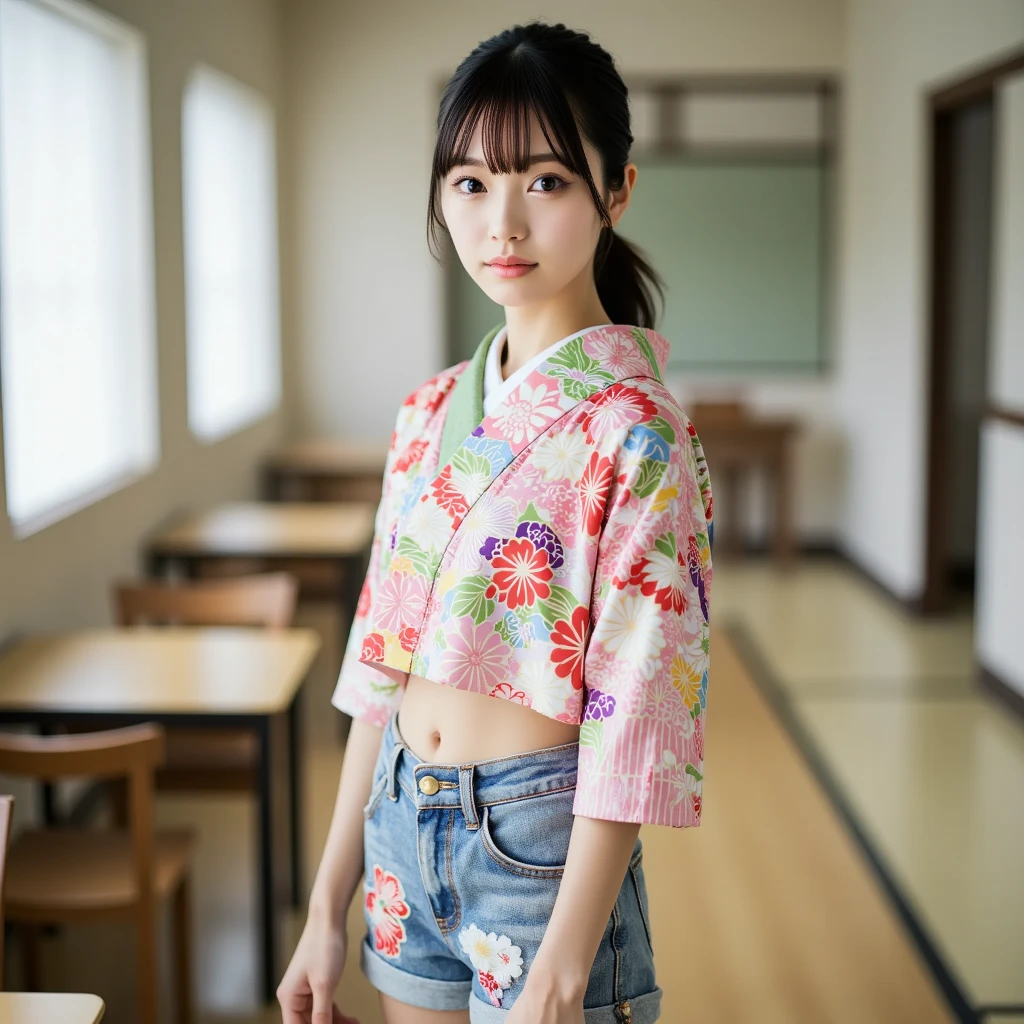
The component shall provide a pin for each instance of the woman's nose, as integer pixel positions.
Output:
(507, 220)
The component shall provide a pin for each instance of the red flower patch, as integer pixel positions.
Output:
(521, 573)
(449, 497)
(373, 647)
(594, 486)
(569, 641)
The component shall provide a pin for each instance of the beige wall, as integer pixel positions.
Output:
(59, 577)
(897, 52)
(363, 85)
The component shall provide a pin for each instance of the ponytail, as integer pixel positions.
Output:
(626, 281)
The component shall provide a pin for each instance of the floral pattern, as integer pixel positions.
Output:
(496, 961)
(386, 909)
(561, 559)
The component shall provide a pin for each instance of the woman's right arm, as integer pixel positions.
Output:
(306, 991)
(341, 865)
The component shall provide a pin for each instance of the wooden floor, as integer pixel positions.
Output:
(767, 912)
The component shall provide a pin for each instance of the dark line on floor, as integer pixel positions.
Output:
(776, 695)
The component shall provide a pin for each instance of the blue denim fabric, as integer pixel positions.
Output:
(486, 851)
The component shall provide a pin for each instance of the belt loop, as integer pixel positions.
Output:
(467, 798)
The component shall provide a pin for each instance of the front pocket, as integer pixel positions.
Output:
(538, 828)
(375, 794)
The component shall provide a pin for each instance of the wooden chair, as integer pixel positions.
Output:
(267, 600)
(6, 813)
(65, 875)
(717, 413)
(206, 760)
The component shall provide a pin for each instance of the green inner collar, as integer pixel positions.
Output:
(466, 402)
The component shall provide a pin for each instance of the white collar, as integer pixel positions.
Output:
(496, 390)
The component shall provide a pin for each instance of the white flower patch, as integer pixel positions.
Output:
(630, 627)
(485, 519)
(497, 962)
(430, 525)
(471, 483)
(536, 675)
(564, 456)
(531, 408)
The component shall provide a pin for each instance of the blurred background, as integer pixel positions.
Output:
(215, 291)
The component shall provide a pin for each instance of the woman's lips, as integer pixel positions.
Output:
(515, 270)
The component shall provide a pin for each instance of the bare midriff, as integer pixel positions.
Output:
(445, 725)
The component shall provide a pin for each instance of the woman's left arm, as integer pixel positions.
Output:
(597, 862)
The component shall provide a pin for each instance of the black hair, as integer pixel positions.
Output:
(571, 84)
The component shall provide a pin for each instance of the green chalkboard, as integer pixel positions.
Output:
(741, 246)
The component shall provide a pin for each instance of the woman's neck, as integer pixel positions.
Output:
(531, 330)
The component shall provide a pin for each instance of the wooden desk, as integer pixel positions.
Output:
(739, 445)
(322, 469)
(50, 1008)
(296, 537)
(186, 676)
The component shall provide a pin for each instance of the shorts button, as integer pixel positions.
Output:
(429, 785)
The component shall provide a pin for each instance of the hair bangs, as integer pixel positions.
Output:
(502, 107)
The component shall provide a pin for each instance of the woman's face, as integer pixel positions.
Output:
(545, 216)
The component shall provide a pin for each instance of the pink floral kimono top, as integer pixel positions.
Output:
(555, 553)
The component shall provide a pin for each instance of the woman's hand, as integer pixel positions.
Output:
(307, 988)
(547, 999)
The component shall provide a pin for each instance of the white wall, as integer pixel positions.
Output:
(60, 577)
(896, 53)
(999, 637)
(363, 84)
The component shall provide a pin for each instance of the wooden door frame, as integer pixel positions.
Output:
(942, 104)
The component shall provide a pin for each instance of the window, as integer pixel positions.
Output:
(231, 269)
(77, 334)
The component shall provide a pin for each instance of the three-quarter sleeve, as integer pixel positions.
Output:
(645, 667)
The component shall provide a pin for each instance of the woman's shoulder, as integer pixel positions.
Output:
(423, 402)
(431, 393)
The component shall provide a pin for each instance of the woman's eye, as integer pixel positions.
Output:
(553, 181)
(457, 185)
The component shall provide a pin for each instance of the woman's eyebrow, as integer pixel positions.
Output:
(535, 158)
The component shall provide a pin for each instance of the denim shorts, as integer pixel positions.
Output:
(463, 864)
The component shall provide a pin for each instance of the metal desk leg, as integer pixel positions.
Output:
(48, 792)
(272, 887)
(295, 798)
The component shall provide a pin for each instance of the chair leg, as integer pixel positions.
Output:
(148, 968)
(183, 948)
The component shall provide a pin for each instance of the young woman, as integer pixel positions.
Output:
(527, 668)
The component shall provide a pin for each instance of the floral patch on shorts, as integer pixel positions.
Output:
(386, 907)
(498, 963)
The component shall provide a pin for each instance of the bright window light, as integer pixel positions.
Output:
(231, 265)
(77, 332)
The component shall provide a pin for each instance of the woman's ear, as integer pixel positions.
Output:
(620, 196)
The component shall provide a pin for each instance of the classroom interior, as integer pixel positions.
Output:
(836, 199)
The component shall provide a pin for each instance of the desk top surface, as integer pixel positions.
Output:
(150, 670)
(320, 529)
(50, 1008)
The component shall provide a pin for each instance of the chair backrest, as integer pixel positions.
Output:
(266, 599)
(717, 413)
(133, 752)
(6, 813)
